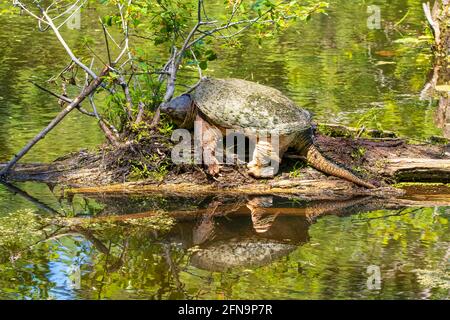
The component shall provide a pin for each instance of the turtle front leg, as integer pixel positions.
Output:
(210, 135)
(267, 157)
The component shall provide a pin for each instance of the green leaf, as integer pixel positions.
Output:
(211, 55)
(107, 20)
(203, 65)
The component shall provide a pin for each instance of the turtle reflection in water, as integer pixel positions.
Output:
(239, 242)
(251, 252)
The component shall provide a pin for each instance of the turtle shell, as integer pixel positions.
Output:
(249, 106)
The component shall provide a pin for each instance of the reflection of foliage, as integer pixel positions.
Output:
(434, 278)
(137, 262)
(135, 259)
(345, 72)
(7, 9)
(427, 223)
(23, 255)
(131, 259)
(30, 243)
(18, 231)
(110, 228)
(334, 263)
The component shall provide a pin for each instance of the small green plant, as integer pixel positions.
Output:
(161, 172)
(370, 118)
(153, 169)
(359, 153)
(296, 170)
(333, 132)
(141, 131)
(360, 170)
(166, 128)
(139, 171)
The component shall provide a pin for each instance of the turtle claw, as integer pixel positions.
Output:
(214, 170)
(261, 172)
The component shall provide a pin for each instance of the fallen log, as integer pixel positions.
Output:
(381, 161)
(423, 170)
(308, 189)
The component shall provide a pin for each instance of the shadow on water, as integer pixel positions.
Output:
(136, 246)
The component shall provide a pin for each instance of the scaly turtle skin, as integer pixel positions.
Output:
(254, 110)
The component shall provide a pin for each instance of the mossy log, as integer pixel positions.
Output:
(385, 161)
(424, 170)
(336, 130)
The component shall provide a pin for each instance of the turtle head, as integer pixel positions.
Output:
(179, 109)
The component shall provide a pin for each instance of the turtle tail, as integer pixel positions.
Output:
(318, 161)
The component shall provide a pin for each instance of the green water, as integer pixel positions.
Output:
(231, 254)
(342, 71)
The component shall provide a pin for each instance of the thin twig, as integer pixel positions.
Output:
(64, 44)
(106, 43)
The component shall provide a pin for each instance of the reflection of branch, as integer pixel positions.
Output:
(91, 238)
(433, 23)
(26, 196)
(439, 14)
(400, 213)
(173, 268)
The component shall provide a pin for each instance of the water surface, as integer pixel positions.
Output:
(216, 248)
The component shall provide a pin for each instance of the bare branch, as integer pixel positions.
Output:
(65, 99)
(126, 91)
(24, 8)
(140, 113)
(106, 43)
(66, 47)
(200, 74)
(75, 102)
(113, 139)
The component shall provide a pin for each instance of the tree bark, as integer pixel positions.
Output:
(424, 170)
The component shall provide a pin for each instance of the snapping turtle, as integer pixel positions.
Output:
(254, 110)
